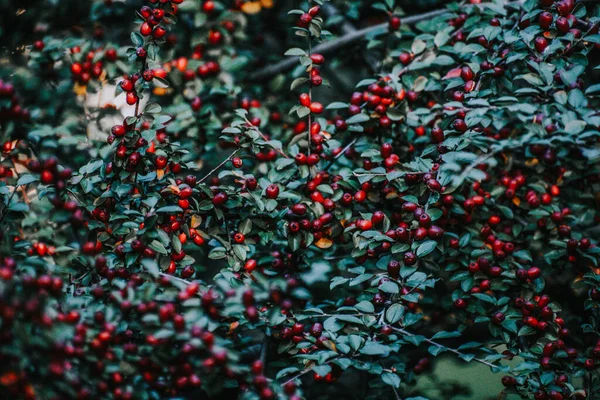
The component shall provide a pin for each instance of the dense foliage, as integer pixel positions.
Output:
(177, 222)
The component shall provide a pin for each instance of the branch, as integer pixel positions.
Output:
(333, 45)
(174, 278)
(220, 165)
(340, 154)
(347, 28)
(458, 353)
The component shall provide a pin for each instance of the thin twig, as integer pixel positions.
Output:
(477, 162)
(174, 278)
(441, 346)
(340, 154)
(220, 165)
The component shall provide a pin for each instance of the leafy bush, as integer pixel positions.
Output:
(177, 223)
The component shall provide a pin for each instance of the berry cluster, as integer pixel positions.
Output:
(90, 65)
(10, 106)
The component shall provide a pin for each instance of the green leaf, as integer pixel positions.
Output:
(152, 108)
(151, 266)
(297, 82)
(295, 51)
(394, 313)
(137, 39)
(389, 287)
(446, 335)
(425, 248)
(160, 82)
(366, 82)
(336, 105)
(365, 306)
(358, 118)
(302, 111)
(374, 349)
(169, 209)
(576, 99)
(391, 379)
(26, 179)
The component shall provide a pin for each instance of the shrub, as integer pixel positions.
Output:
(191, 238)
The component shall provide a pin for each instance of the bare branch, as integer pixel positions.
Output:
(333, 45)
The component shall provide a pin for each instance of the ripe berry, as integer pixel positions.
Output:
(148, 75)
(159, 32)
(316, 108)
(563, 25)
(305, 19)
(145, 29)
(131, 98)
(395, 23)
(118, 130)
(314, 11)
(461, 304)
(237, 162)
(160, 162)
(313, 159)
(304, 99)
(460, 125)
(239, 238)
(545, 20)
(219, 199)
(317, 59)
(47, 177)
(272, 191)
(509, 381)
(533, 272)
(498, 318)
(364, 224)
(126, 85)
(393, 269)
(466, 73)
(540, 44)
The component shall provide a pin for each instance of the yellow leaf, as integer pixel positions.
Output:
(267, 3)
(79, 90)
(324, 243)
(160, 173)
(516, 201)
(532, 162)
(159, 91)
(232, 327)
(251, 7)
(196, 221)
(330, 345)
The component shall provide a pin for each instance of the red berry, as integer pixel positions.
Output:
(540, 44)
(304, 99)
(131, 98)
(545, 20)
(272, 191)
(316, 108)
(220, 198)
(145, 29)
(395, 23)
(317, 59)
